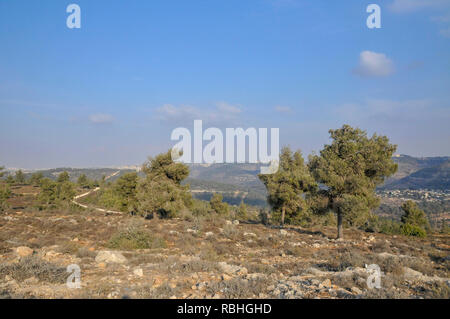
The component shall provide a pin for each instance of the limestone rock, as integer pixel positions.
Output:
(110, 257)
(24, 251)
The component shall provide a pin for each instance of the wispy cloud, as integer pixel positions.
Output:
(372, 64)
(283, 109)
(221, 113)
(101, 118)
(406, 6)
(393, 111)
(228, 108)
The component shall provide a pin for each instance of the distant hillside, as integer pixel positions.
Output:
(74, 173)
(241, 175)
(408, 165)
(232, 194)
(435, 177)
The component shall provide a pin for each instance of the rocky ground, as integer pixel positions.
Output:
(208, 258)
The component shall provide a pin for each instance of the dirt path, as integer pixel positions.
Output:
(74, 200)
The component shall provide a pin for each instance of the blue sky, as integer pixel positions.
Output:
(111, 92)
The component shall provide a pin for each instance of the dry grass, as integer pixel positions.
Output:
(33, 266)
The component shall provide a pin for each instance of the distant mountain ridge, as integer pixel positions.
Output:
(428, 173)
(413, 173)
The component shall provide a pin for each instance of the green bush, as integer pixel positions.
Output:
(5, 193)
(218, 205)
(132, 238)
(200, 208)
(413, 230)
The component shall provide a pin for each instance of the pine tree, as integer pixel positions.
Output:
(63, 177)
(287, 187)
(350, 168)
(83, 181)
(20, 177)
(242, 211)
(125, 189)
(161, 192)
(36, 178)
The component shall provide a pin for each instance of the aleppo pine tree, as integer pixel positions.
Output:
(350, 168)
(287, 187)
(161, 192)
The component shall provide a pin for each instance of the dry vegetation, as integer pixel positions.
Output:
(208, 258)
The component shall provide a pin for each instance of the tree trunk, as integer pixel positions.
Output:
(339, 226)
(283, 212)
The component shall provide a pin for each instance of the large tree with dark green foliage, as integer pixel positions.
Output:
(125, 189)
(55, 194)
(161, 192)
(63, 177)
(287, 187)
(350, 168)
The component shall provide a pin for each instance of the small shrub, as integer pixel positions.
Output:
(231, 232)
(413, 230)
(33, 266)
(83, 252)
(239, 288)
(135, 239)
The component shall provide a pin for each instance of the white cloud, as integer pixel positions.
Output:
(372, 64)
(228, 108)
(221, 113)
(101, 118)
(283, 109)
(406, 6)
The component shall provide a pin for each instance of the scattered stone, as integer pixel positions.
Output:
(101, 265)
(356, 291)
(24, 251)
(110, 257)
(192, 231)
(412, 274)
(283, 232)
(52, 254)
(138, 272)
(235, 222)
(232, 269)
(316, 272)
(209, 234)
(225, 277)
(325, 284)
(254, 276)
(250, 234)
(31, 281)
